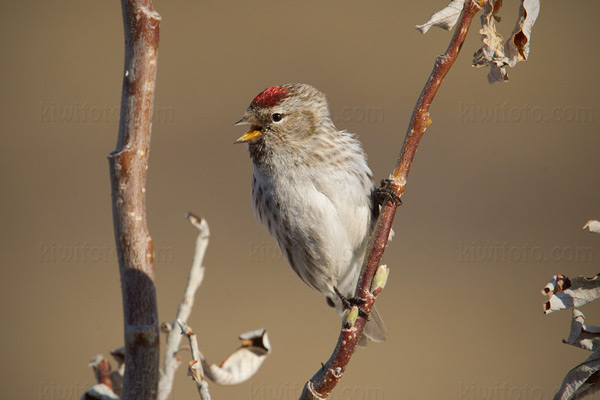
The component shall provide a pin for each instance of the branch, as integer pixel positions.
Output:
(198, 363)
(171, 361)
(238, 367)
(128, 165)
(324, 381)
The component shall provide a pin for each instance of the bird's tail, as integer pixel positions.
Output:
(374, 329)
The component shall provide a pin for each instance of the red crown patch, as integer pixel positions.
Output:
(270, 97)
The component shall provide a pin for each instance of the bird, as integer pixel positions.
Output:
(313, 191)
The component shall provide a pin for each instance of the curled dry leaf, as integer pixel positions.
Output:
(119, 355)
(445, 18)
(496, 55)
(567, 293)
(492, 51)
(495, 52)
(593, 226)
(581, 381)
(99, 392)
(102, 370)
(517, 47)
(244, 362)
(558, 283)
(117, 375)
(581, 335)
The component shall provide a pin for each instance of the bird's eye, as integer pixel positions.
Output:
(277, 117)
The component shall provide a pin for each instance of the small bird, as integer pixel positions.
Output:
(313, 191)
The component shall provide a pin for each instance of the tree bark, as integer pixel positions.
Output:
(128, 166)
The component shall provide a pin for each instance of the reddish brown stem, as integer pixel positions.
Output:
(128, 165)
(324, 381)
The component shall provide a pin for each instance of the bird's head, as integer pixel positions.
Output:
(285, 115)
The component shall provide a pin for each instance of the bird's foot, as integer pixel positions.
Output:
(387, 192)
(350, 302)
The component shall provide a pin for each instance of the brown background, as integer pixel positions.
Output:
(462, 325)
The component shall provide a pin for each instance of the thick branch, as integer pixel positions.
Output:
(324, 381)
(128, 165)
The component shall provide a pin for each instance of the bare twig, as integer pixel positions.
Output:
(171, 361)
(198, 363)
(237, 367)
(324, 381)
(128, 165)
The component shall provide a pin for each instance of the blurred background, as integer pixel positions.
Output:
(504, 180)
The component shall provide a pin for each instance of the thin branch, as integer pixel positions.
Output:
(198, 363)
(172, 361)
(128, 165)
(324, 381)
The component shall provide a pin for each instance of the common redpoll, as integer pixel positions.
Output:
(313, 191)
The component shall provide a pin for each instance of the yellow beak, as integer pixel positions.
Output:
(249, 136)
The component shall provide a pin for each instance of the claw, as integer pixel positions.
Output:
(343, 298)
(386, 192)
(352, 302)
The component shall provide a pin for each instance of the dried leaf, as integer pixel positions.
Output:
(593, 226)
(446, 18)
(517, 47)
(492, 51)
(244, 362)
(582, 336)
(99, 392)
(117, 376)
(119, 356)
(581, 381)
(567, 293)
(102, 370)
(499, 56)
(558, 283)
